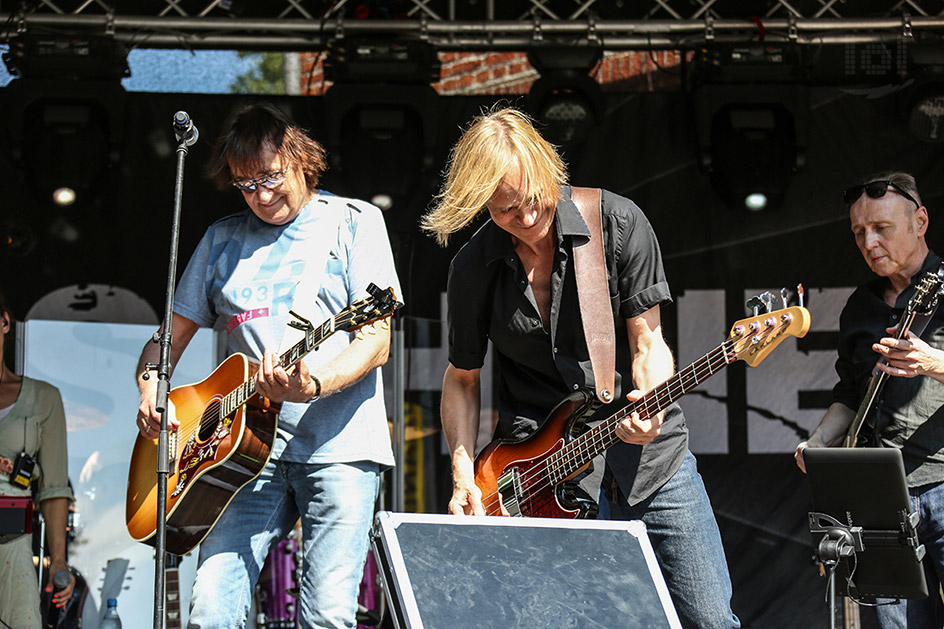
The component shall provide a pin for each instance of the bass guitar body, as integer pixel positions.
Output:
(212, 456)
(516, 476)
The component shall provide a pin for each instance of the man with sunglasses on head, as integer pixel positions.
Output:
(298, 248)
(889, 223)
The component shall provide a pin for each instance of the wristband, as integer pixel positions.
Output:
(317, 388)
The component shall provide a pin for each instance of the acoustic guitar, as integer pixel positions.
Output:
(533, 476)
(225, 436)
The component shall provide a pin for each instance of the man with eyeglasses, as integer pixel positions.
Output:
(296, 248)
(889, 224)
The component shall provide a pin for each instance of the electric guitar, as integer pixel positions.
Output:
(532, 477)
(923, 303)
(225, 436)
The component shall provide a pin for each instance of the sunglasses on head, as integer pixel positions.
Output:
(875, 190)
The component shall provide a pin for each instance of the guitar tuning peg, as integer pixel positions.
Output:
(784, 297)
(757, 305)
(768, 299)
(800, 294)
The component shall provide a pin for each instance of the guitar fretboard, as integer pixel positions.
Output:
(574, 455)
(313, 337)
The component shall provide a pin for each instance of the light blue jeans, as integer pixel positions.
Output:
(336, 505)
(927, 613)
(685, 538)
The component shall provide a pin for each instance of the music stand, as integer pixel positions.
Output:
(862, 509)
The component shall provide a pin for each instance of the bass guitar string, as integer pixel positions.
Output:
(603, 435)
(563, 463)
(537, 478)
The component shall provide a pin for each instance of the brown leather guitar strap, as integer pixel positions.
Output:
(594, 294)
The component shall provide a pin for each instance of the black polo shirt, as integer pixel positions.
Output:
(489, 298)
(911, 410)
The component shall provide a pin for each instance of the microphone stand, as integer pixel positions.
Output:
(185, 138)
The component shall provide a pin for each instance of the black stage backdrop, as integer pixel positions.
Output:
(644, 147)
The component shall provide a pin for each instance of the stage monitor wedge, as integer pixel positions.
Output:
(445, 571)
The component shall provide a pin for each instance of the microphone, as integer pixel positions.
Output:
(59, 582)
(184, 128)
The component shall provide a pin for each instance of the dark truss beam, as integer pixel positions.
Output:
(454, 25)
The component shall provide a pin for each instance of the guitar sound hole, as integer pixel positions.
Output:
(208, 422)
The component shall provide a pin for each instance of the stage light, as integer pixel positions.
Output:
(566, 99)
(65, 134)
(755, 201)
(383, 201)
(380, 114)
(926, 118)
(63, 196)
(381, 61)
(38, 56)
(752, 140)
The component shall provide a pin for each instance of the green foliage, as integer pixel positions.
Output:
(265, 78)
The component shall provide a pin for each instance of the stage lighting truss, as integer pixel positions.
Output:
(519, 25)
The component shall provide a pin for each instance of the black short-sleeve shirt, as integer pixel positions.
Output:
(490, 299)
(910, 413)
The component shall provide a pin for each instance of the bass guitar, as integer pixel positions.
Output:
(225, 436)
(532, 477)
(922, 303)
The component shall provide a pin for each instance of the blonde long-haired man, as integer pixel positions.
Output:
(513, 284)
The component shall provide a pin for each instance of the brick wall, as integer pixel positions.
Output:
(465, 73)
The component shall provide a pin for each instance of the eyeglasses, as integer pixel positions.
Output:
(269, 181)
(875, 190)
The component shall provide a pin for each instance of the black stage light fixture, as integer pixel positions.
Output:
(384, 61)
(566, 99)
(65, 135)
(59, 57)
(381, 115)
(926, 115)
(752, 137)
(65, 112)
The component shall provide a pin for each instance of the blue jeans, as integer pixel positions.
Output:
(336, 505)
(685, 538)
(927, 613)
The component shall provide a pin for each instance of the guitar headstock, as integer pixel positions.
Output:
(381, 303)
(927, 292)
(753, 338)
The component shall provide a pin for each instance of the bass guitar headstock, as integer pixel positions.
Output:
(752, 339)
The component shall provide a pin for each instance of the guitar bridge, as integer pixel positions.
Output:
(509, 488)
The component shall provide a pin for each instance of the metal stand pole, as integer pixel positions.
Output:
(185, 138)
(399, 413)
